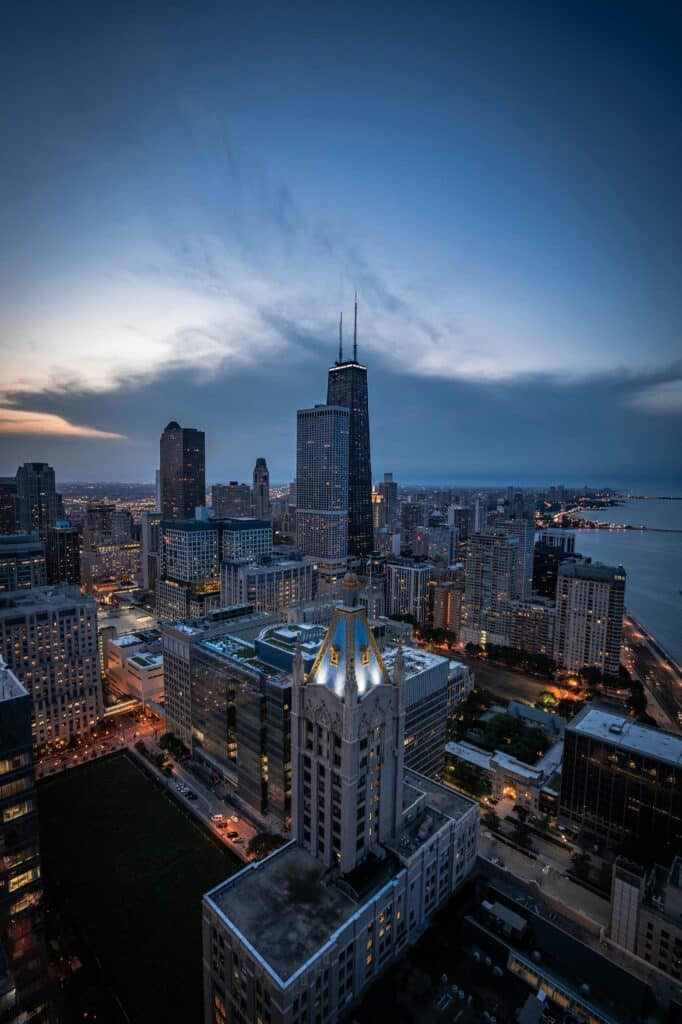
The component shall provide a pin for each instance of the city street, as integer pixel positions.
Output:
(656, 672)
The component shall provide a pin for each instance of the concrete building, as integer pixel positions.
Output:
(560, 540)
(377, 850)
(22, 910)
(322, 483)
(407, 588)
(63, 555)
(426, 701)
(245, 537)
(22, 562)
(189, 568)
(445, 605)
(388, 489)
(110, 567)
(182, 471)
(38, 503)
(48, 638)
(261, 490)
(621, 777)
(106, 524)
(232, 501)
(646, 913)
(490, 585)
(509, 777)
(589, 616)
(133, 664)
(269, 584)
(461, 681)
(532, 626)
(523, 531)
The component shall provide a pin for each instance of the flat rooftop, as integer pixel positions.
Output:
(600, 723)
(416, 660)
(10, 687)
(283, 909)
(441, 798)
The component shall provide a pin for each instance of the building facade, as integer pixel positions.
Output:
(8, 505)
(231, 501)
(646, 913)
(489, 588)
(407, 589)
(63, 553)
(260, 494)
(182, 472)
(22, 911)
(22, 562)
(322, 454)
(377, 849)
(38, 503)
(268, 585)
(620, 777)
(48, 638)
(388, 489)
(590, 601)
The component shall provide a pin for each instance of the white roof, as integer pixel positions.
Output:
(626, 734)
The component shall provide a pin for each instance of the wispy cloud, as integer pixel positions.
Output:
(662, 397)
(21, 421)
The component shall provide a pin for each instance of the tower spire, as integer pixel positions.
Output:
(355, 330)
(340, 337)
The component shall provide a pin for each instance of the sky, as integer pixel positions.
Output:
(190, 194)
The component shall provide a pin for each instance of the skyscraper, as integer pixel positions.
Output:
(322, 482)
(231, 500)
(63, 553)
(388, 489)
(22, 562)
(590, 599)
(261, 490)
(347, 388)
(8, 504)
(490, 586)
(37, 498)
(182, 472)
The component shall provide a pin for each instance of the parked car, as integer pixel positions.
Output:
(216, 817)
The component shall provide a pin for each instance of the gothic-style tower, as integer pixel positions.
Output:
(347, 734)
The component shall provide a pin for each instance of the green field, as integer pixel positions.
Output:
(130, 867)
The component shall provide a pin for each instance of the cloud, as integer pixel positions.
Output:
(21, 421)
(663, 397)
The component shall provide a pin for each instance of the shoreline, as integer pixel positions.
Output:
(655, 644)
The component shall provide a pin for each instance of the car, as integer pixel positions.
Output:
(234, 817)
(238, 840)
(216, 817)
(233, 835)
(220, 824)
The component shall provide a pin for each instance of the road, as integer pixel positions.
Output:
(658, 673)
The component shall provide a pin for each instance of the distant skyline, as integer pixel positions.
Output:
(191, 197)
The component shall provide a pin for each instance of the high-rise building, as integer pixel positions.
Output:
(37, 499)
(619, 777)
(322, 482)
(63, 553)
(524, 532)
(388, 489)
(532, 625)
(590, 600)
(461, 516)
(269, 585)
(561, 540)
(347, 388)
(182, 471)
(231, 501)
(646, 913)
(407, 588)
(377, 848)
(426, 706)
(106, 524)
(8, 505)
(22, 562)
(22, 911)
(546, 562)
(48, 638)
(261, 490)
(490, 584)
(150, 533)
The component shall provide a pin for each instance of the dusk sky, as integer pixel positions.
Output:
(189, 195)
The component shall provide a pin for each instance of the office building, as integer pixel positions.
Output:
(261, 490)
(460, 516)
(347, 388)
(38, 503)
(246, 538)
(407, 588)
(426, 703)
(620, 777)
(269, 584)
(388, 489)
(133, 664)
(107, 568)
(490, 584)
(182, 471)
(590, 601)
(377, 849)
(560, 540)
(231, 501)
(8, 505)
(150, 545)
(646, 913)
(22, 911)
(22, 562)
(62, 545)
(189, 568)
(106, 524)
(322, 515)
(437, 543)
(48, 638)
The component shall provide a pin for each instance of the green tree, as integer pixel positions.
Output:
(491, 820)
(262, 845)
(580, 865)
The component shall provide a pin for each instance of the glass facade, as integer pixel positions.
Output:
(347, 387)
(182, 471)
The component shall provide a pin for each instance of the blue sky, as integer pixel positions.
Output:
(190, 194)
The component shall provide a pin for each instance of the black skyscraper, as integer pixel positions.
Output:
(347, 387)
(182, 471)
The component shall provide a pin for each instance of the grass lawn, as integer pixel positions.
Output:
(131, 868)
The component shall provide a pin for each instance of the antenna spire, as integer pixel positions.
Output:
(355, 330)
(340, 337)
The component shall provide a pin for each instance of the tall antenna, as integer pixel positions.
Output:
(340, 337)
(355, 330)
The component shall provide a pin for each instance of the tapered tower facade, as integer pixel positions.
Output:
(347, 387)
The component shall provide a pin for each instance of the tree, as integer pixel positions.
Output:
(580, 865)
(521, 835)
(262, 845)
(491, 820)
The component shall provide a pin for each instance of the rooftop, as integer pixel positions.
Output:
(610, 726)
(415, 659)
(283, 908)
(440, 797)
(10, 687)
(38, 597)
